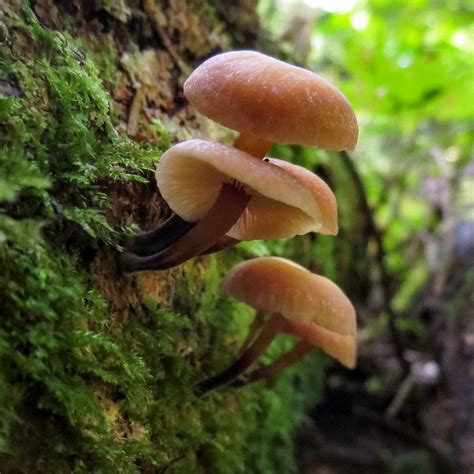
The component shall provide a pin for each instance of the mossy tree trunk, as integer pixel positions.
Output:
(96, 368)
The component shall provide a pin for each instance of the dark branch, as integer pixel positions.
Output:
(385, 278)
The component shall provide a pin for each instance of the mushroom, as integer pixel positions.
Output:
(268, 100)
(321, 192)
(298, 302)
(190, 176)
(219, 192)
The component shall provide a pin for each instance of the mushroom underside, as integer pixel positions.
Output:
(261, 334)
(177, 240)
(235, 213)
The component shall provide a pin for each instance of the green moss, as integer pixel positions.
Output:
(89, 390)
(58, 136)
(104, 55)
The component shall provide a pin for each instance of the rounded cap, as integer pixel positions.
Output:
(190, 176)
(251, 92)
(321, 192)
(276, 285)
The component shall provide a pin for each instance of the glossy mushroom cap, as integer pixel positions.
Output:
(321, 192)
(190, 176)
(254, 93)
(275, 285)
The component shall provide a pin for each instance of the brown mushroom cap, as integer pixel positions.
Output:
(276, 285)
(254, 93)
(321, 192)
(190, 176)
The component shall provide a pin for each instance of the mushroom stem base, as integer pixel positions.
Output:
(275, 325)
(227, 209)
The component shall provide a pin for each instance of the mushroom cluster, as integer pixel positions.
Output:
(221, 195)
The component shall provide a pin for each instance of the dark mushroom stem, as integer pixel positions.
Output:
(228, 207)
(301, 349)
(156, 240)
(272, 328)
(252, 144)
(224, 243)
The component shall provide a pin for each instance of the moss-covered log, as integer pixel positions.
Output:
(97, 369)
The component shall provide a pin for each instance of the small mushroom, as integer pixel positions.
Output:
(219, 192)
(321, 192)
(268, 100)
(298, 302)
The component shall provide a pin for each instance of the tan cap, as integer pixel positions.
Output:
(191, 174)
(254, 93)
(275, 285)
(321, 192)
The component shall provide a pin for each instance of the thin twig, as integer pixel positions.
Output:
(401, 395)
